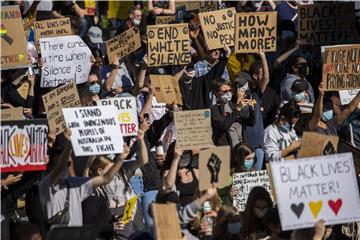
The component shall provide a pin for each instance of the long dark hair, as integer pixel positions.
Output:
(238, 154)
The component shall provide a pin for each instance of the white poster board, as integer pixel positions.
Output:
(346, 96)
(314, 188)
(244, 182)
(66, 59)
(127, 113)
(95, 130)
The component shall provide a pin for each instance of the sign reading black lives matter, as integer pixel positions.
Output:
(326, 23)
(168, 44)
(66, 59)
(95, 130)
(255, 31)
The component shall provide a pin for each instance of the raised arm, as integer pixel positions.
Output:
(170, 176)
(340, 118)
(265, 79)
(79, 11)
(316, 117)
(110, 80)
(283, 57)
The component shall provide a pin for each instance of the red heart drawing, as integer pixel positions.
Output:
(335, 206)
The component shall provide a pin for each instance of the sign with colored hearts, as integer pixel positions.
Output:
(309, 189)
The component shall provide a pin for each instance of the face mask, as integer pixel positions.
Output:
(328, 115)
(226, 97)
(234, 227)
(299, 96)
(94, 88)
(260, 213)
(304, 70)
(136, 22)
(286, 127)
(248, 163)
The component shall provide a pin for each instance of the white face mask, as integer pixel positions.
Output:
(260, 213)
(226, 97)
(136, 22)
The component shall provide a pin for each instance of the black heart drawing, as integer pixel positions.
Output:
(297, 209)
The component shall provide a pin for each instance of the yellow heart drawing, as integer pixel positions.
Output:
(315, 208)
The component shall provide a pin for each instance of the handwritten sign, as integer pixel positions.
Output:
(164, 19)
(168, 44)
(65, 96)
(193, 129)
(346, 96)
(189, 5)
(315, 144)
(95, 130)
(23, 145)
(341, 67)
(255, 31)
(127, 113)
(327, 23)
(314, 188)
(123, 44)
(10, 114)
(208, 6)
(13, 45)
(66, 59)
(166, 89)
(244, 182)
(166, 219)
(52, 28)
(218, 27)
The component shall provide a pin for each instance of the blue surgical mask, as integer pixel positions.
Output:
(286, 127)
(328, 115)
(94, 88)
(299, 96)
(234, 227)
(248, 163)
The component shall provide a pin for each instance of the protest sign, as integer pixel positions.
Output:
(346, 96)
(315, 144)
(52, 28)
(168, 44)
(314, 188)
(123, 44)
(345, 147)
(326, 23)
(189, 5)
(166, 89)
(127, 113)
(129, 208)
(180, 13)
(95, 130)
(193, 129)
(214, 166)
(273, 194)
(65, 96)
(341, 67)
(218, 27)
(13, 44)
(209, 6)
(66, 59)
(23, 145)
(255, 31)
(11, 114)
(166, 219)
(244, 182)
(164, 19)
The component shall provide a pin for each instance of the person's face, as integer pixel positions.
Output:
(258, 75)
(301, 62)
(251, 156)
(136, 15)
(215, 55)
(93, 78)
(224, 89)
(260, 204)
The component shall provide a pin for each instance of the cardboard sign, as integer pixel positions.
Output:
(23, 145)
(164, 19)
(168, 44)
(341, 67)
(166, 220)
(95, 130)
(310, 189)
(166, 89)
(66, 59)
(209, 6)
(52, 28)
(214, 166)
(189, 5)
(255, 31)
(315, 144)
(13, 44)
(346, 96)
(193, 129)
(128, 211)
(218, 27)
(11, 114)
(345, 147)
(327, 23)
(244, 182)
(123, 44)
(127, 113)
(65, 96)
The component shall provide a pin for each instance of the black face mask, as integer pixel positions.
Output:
(303, 70)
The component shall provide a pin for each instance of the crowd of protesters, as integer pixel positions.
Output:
(256, 108)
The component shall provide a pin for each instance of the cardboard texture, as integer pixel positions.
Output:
(13, 45)
(166, 89)
(23, 145)
(314, 188)
(208, 6)
(52, 28)
(164, 19)
(193, 129)
(255, 31)
(166, 220)
(168, 44)
(326, 23)
(123, 44)
(315, 144)
(11, 114)
(218, 27)
(341, 67)
(65, 96)
(23, 90)
(214, 166)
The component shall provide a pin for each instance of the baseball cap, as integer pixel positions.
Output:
(242, 78)
(95, 34)
(299, 86)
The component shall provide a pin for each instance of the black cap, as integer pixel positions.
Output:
(299, 86)
(242, 78)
